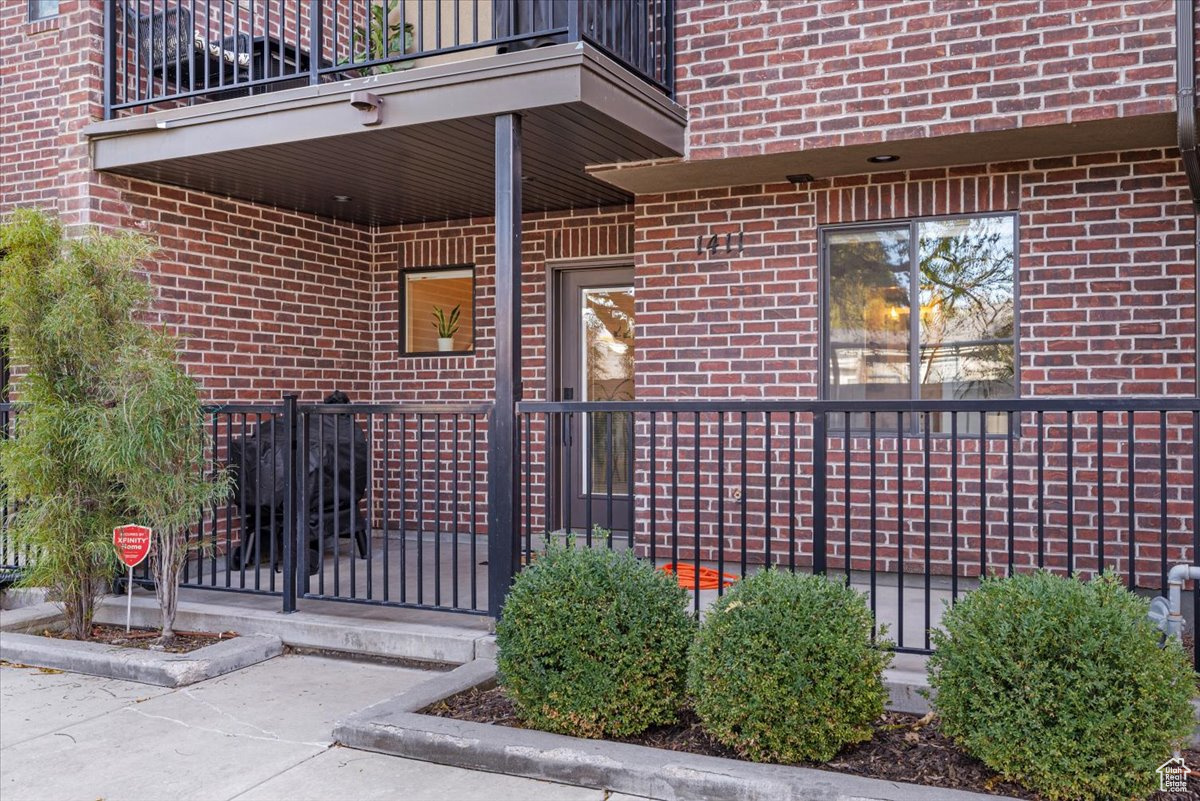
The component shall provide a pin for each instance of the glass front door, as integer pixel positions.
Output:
(597, 352)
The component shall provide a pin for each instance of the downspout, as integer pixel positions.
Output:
(1185, 123)
(1168, 612)
(1165, 611)
(1185, 128)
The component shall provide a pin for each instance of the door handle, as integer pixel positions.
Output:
(568, 394)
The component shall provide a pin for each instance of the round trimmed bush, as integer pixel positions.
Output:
(594, 643)
(784, 669)
(1061, 685)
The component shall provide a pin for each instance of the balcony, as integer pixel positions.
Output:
(371, 97)
(161, 52)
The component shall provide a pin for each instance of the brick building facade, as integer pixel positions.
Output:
(1058, 114)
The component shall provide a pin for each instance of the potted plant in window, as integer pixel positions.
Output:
(447, 326)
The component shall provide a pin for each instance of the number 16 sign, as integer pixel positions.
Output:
(133, 546)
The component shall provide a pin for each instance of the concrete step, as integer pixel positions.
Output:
(437, 644)
(20, 597)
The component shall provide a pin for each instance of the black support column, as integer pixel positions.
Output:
(503, 465)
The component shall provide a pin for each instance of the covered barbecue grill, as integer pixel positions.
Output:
(334, 484)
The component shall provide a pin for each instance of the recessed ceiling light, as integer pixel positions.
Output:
(342, 198)
(883, 158)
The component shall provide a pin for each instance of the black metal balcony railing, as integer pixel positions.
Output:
(164, 53)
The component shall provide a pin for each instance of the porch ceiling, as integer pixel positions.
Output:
(1014, 144)
(431, 156)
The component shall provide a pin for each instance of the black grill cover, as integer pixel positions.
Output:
(337, 462)
(335, 480)
(260, 465)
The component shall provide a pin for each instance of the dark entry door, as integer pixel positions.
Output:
(596, 355)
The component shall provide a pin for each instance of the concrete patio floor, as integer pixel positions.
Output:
(263, 733)
(432, 574)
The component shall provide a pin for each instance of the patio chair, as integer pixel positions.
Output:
(167, 41)
(517, 17)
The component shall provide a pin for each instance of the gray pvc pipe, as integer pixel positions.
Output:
(1175, 579)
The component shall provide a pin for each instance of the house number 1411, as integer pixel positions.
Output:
(729, 243)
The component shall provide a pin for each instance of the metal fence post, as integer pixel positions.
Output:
(669, 50)
(504, 477)
(316, 42)
(290, 517)
(110, 59)
(820, 467)
(574, 10)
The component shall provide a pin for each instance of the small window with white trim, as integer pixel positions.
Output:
(437, 311)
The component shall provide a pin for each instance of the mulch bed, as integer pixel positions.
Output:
(905, 748)
(148, 639)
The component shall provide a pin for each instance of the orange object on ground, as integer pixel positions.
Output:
(709, 578)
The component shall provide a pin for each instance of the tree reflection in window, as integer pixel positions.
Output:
(608, 344)
(965, 331)
(967, 346)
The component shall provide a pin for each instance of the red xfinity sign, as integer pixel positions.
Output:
(132, 543)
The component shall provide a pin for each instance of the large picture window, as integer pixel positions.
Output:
(921, 309)
(437, 311)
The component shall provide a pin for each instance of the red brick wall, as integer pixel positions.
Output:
(271, 301)
(469, 378)
(1107, 307)
(741, 326)
(1107, 300)
(1107, 280)
(762, 77)
(30, 98)
(266, 301)
(565, 235)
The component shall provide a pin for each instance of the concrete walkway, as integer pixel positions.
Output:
(262, 733)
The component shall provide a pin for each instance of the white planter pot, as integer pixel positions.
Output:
(445, 343)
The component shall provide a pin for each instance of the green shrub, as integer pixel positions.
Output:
(111, 428)
(1061, 685)
(593, 643)
(784, 670)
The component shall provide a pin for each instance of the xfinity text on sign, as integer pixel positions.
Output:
(132, 543)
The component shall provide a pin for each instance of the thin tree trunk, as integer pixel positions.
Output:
(79, 606)
(168, 567)
(168, 600)
(75, 614)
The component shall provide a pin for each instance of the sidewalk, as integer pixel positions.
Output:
(261, 734)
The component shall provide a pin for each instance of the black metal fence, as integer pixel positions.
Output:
(368, 504)
(13, 559)
(167, 52)
(912, 502)
(231, 542)
(420, 543)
